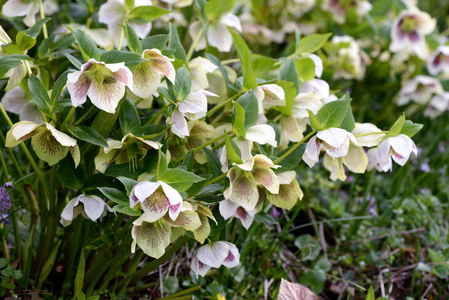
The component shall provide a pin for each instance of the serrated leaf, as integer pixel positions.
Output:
(131, 60)
(128, 183)
(288, 72)
(87, 46)
(332, 114)
(11, 61)
(145, 14)
(182, 85)
(175, 44)
(133, 40)
(179, 179)
(39, 95)
(155, 42)
(33, 31)
(115, 195)
(313, 42)
(249, 79)
(410, 129)
(216, 8)
(129, 118)
(233, 155)
(74, 61)
(89, 135)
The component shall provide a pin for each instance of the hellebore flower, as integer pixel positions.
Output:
(152, 237)
(199, 68)
(245, 179)
(193, 107)
(409, 31)
(203, 231)
(289, 191)
(178, 3)
(103, 83)
(21, 103)
(399, 148)
(229, 209)
(438, 61)
(218, 34)
(147, 75)
(438, 105)
(156, 199)
(316, 86)
(419, 89)
(15, 74)
(18, 8)
(188, 219)
(50, 144)
(334, 141)
(126, 150)
(89, 206)
(338, 8)
(213, 256)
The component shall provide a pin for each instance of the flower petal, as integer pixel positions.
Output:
(262, 134)
(233, 258)
(107, 94)
(154, 239)
(288, 195)
(227, 209)
(213, 254)
(47, 148)
(179, 126)
(174, 198)
(146, 80)
(61, 137)
(93, 206)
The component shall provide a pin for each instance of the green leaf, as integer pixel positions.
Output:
(332, 114)
(128, 183)
(290, 95)
(59, 86)
(88, 47)
(348, 123)
(34, 31)
(189, 160)
(145, 14)
(129, 118)
(233, 155)
(381, 8)
(305, 68)
(251, 107)
(115, 195)
(12, 48)
(213, 162)
(129, 4)
(74, 61)
(314, 122)
(238, 123)
(396, 129)
(182, 85)
(39, 95)
(288, 72)
(45, 46)
(152, 129)
(11, 61)
(179, 179)
(89, 135)
(175, 44)
(313, 42)
(69, 176)
(48, 266)
(216, 8)
(126, 210)
(3, 262)
(133, 40)
(292, 160)
(161, 163)
(410, 129)
(79, 277)
(370, 295)
(24, 41)
(131, 60)
(249, 79)
(64, 42)
(156, 41)
(171, 284)
(262, 65)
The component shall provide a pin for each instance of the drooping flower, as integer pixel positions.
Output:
(289, 191)
(213, 256)
(89, 206)
(398, 148)
(50, 144)
(229, 209)
(199, 68)
(147, 75)
(438, 61)
(334, 141)
(152, 237)
(420, 90)
(156, 199)
(29, 9)
(218, 34)
(338, 9)
(129, 150)
(15, 74)
(347, 58)
(203, 231)
(268, 96)
(21, 103)
(409, 30)
(103, 83)
(437, 105)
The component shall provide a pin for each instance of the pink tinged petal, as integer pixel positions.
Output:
(266, 177)
(244, 191)
(274, 96)
(146, 80)
(179, 126)
(316, 86)
(403, 146)
(121, 73)
(246, 218)
(231, 20)
(213, 254)
(194, 106)
(218, 36)
(154, 239)
(227, 209)
(16, 8)
(335, 137)
(383, 153)
(233, 258)
(67, 213)
(107, 94)
(174, 198)
(142, 191)
(262, 134)
(419, 46)
(312, 152)
(93, 206)
(78, 85)
(61, 137)
(198, 267)
(160, 63)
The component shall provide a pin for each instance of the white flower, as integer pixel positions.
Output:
(213, 256)
(218, 34)
(18, 8)
(399, 148)
(156, 199)
(419, 89)
(437, 105)
(18, 102)
(338, 8)
(229, 209)
(199, 68)
(103, 83)
(334, 141)
(316, 86)
(92, 207)
(289, 191)
(409, 30)
(349, 60)
(438, 61)
(179, 3)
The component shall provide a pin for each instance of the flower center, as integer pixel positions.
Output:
(408, 24)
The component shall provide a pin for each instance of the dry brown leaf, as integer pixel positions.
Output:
(295, 291)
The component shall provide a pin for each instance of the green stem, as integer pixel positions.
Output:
(72, 110)
(230, 61)
(294, 147)
(203, 145)
(44, 27)
(194, 42)
(74, 245)
(122, 36)
(216, 179)
(372, 133)
(221, 104)
(150, 121)
(5, 248)
(182, 293)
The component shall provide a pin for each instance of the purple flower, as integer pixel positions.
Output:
(5, 199)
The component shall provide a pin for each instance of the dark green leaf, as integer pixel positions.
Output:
(131, 60)
(126, 210)
(156, 41)
(128, 183)
(33, 31)
(182, 85)
(213, 162)
(88, 47)
(251, 107)
(249, 79)
(74, 60)
(59, 86)
(410, 128)
(11, 61)
(289, 73)
(145, 14)
(89, 135)
(129, 118)
(179, 179)
(133, 40)
(69, 176)
(39, 95)
(175, 44)
(115, 195)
